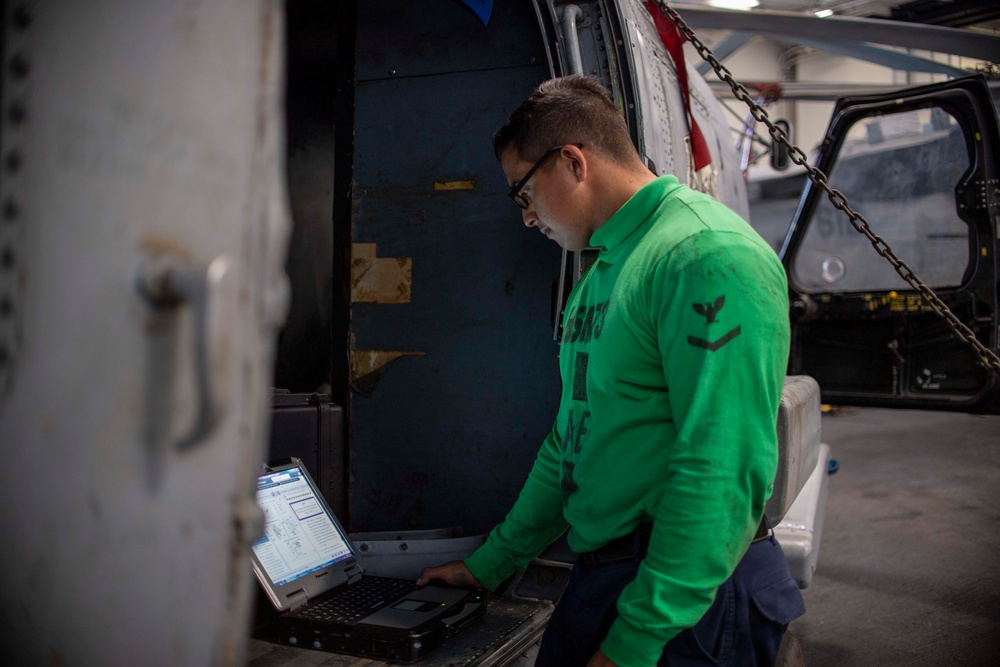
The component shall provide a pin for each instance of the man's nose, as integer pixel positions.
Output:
(529, 216)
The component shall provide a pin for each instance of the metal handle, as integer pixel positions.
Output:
(571, 14)
(167, 283)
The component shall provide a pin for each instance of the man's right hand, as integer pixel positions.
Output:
(454, 573)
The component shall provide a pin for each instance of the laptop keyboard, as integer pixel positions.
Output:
(357, 601)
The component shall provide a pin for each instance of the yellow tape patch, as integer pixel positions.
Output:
(454, 185)
(379, 279)
(367, 367)
(365, 362)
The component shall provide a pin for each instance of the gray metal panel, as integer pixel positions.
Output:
(404, 555)
(798, 442)
(446, 434)
(801, 530)
(153, 130)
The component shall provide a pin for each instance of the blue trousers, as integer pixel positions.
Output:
(742, 628)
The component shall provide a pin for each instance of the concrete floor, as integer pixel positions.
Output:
(909, 564)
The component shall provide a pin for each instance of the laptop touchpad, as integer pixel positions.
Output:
(416, 605)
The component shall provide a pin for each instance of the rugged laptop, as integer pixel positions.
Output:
(309, 570)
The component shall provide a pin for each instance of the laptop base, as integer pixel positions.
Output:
(373, 641)
(511, 627)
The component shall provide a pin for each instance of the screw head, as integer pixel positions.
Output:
(10, 209)
(16, 113)
(22, 17)
(12, 161)
(19, 66)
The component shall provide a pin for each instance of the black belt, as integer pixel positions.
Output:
(763, 530)
(620, 549)
(635, 544)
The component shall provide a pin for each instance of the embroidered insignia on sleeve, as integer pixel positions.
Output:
(713, 345)
(709, 310)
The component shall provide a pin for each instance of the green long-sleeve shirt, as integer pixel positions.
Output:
(675, 345)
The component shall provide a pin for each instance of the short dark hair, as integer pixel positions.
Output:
(572, 109)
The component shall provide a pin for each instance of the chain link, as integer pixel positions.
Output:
(984, 355)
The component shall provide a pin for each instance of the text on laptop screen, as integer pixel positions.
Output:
(299, 536)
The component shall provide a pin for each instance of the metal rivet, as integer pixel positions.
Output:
(4, 356)
(10, 209)
(6, 306)
(7, 258)
(12, 161)
(16, 113)
(19, 66)
(22, 17)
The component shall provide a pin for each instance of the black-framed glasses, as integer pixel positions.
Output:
(515, 190)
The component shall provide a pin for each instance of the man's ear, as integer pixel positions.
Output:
(576, 161)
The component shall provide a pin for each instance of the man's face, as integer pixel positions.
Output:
(550, 193)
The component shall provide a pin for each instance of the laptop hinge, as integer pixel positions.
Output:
(297, 599)
(353, 573)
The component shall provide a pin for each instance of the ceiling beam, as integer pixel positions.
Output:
(733, 41)
(805, 91)
(896, 60)
(892, 33)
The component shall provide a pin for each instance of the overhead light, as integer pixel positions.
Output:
(735, 4)
(823, 13)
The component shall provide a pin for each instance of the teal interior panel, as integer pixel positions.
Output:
(403, 39)
(445, 434)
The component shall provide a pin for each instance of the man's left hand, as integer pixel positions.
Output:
(600, 660)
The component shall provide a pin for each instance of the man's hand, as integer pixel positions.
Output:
(454, 573)
(600, 660)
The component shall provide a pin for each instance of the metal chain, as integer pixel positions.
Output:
(985, 355)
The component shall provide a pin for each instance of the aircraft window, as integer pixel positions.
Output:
(899, 171)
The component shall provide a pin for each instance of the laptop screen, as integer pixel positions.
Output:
(299, 535)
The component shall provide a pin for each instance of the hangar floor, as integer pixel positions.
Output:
(909, 565)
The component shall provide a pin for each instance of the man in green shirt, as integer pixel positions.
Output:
(664, 449)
